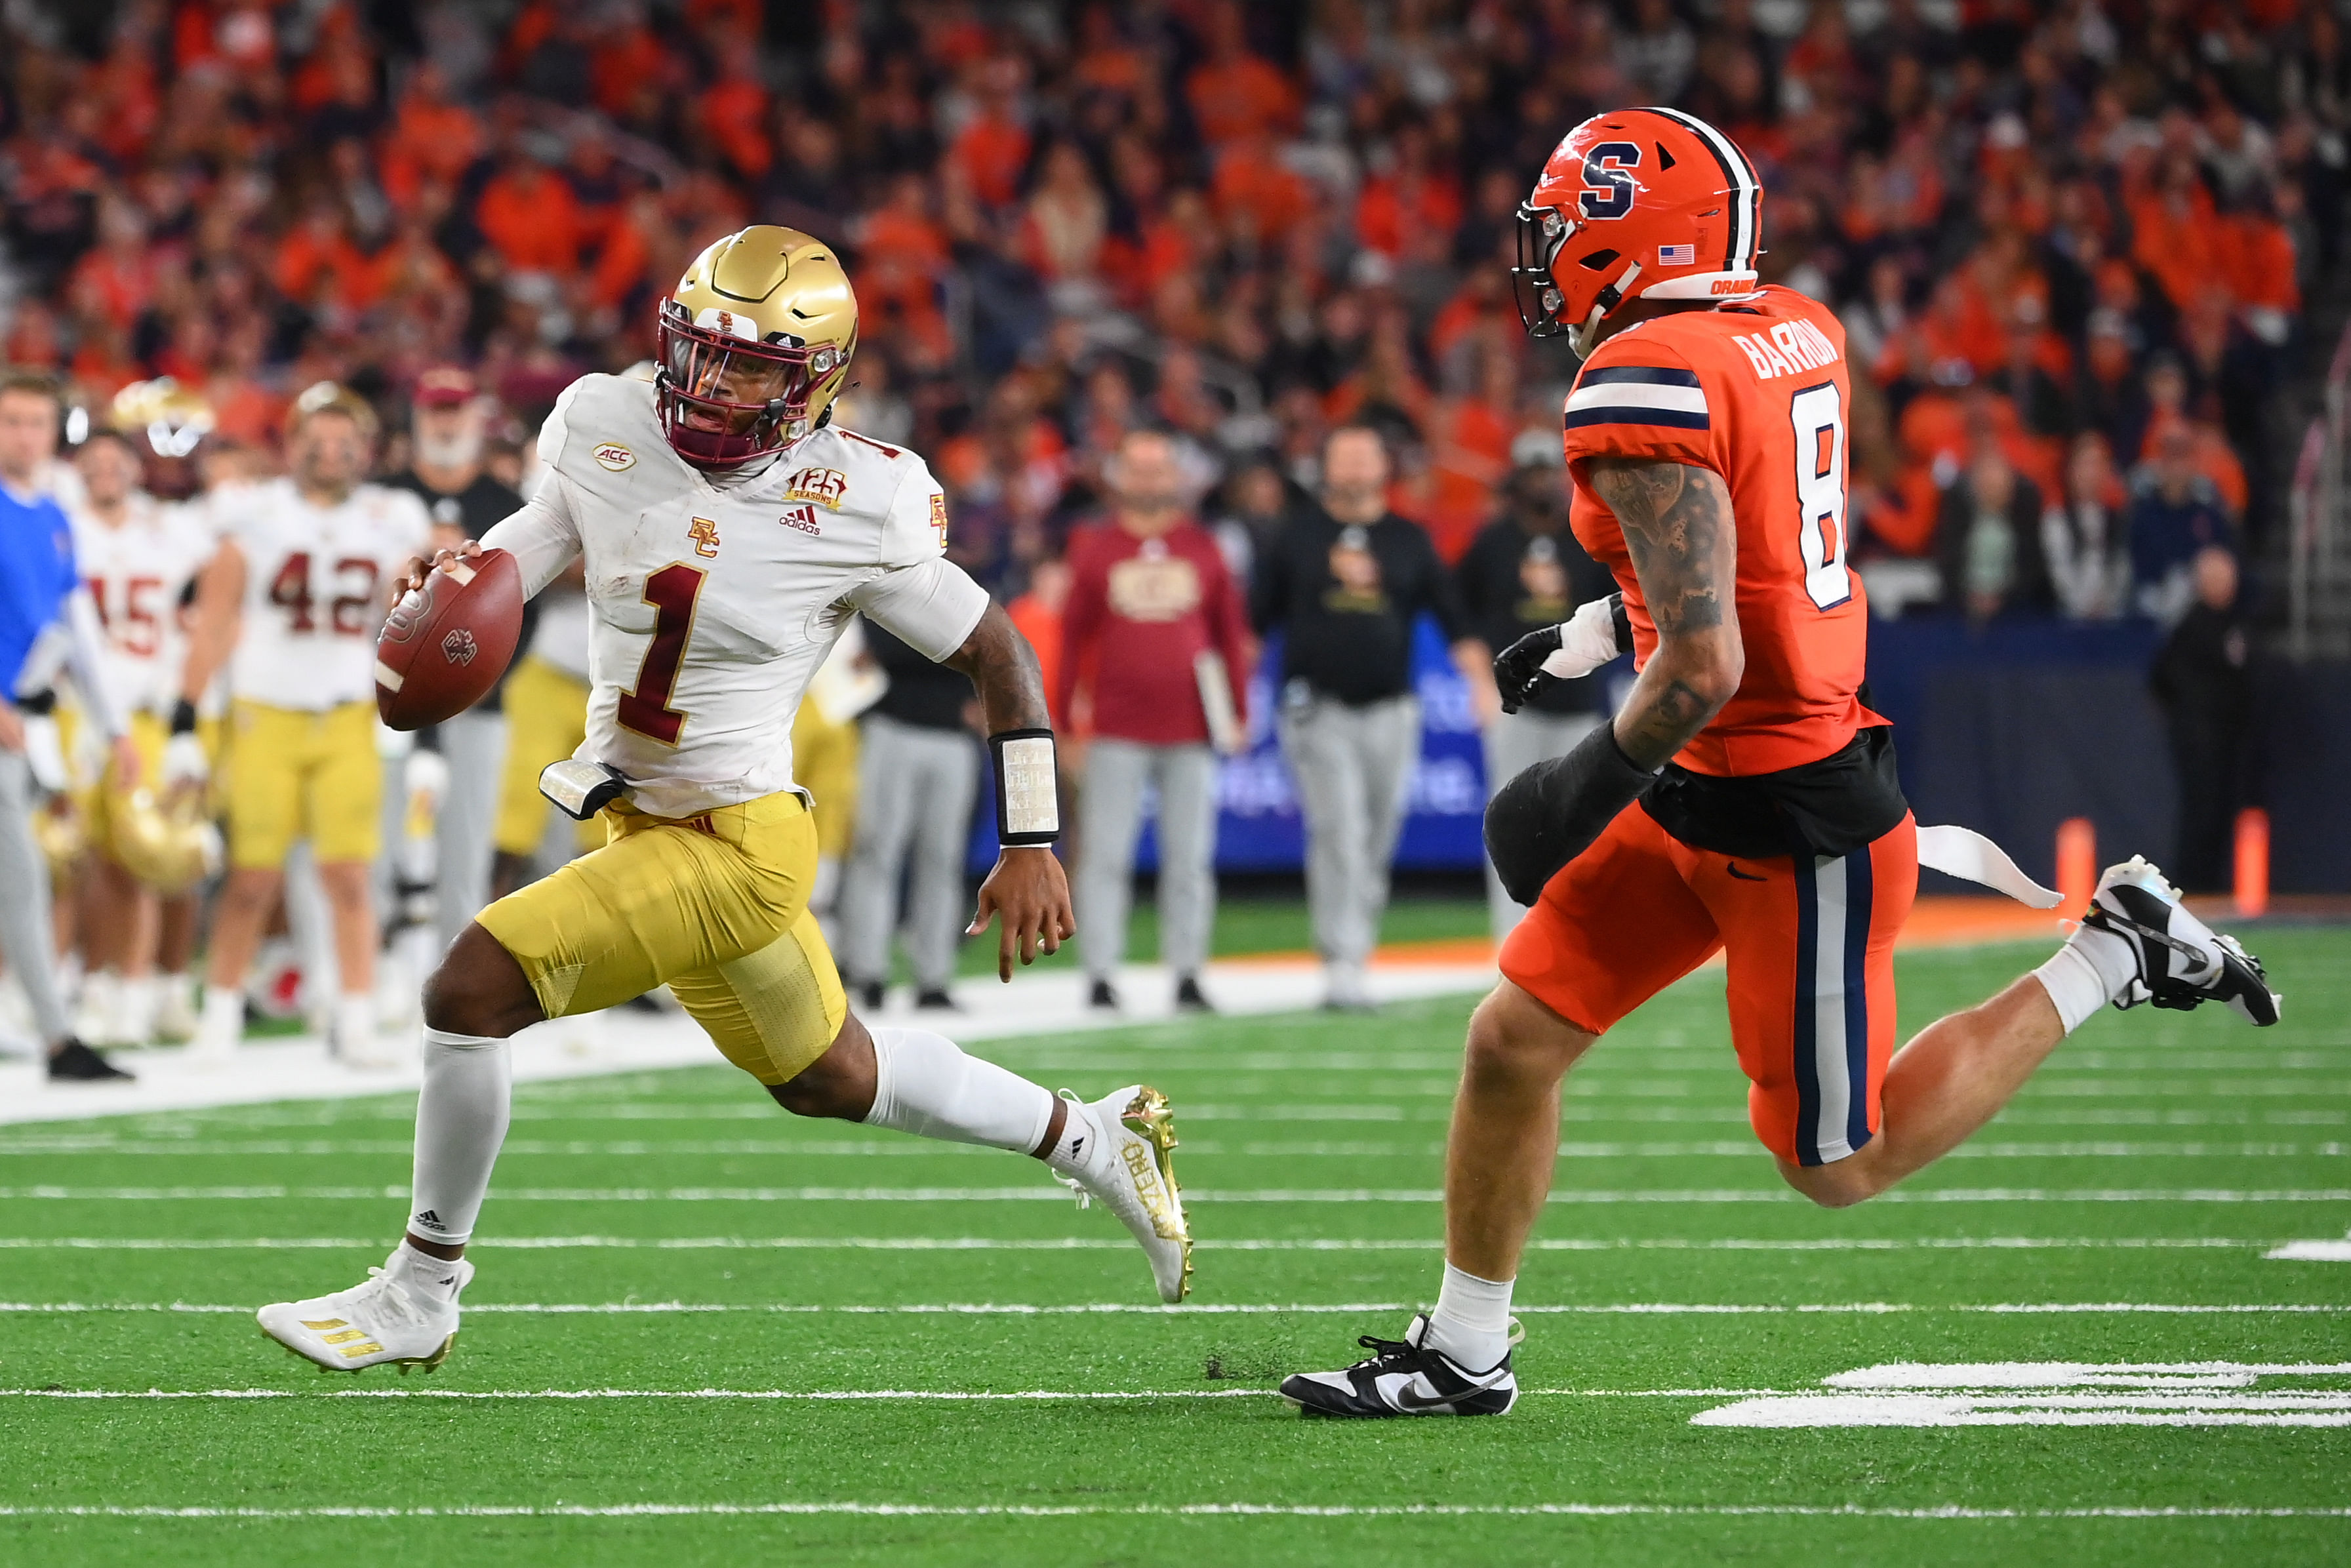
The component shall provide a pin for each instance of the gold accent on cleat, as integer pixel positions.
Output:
(322, 1324)
(1150, 1115)
(345, 1337)
(369, 1348)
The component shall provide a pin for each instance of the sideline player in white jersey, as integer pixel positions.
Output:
(729, 532)
(315, 557)
(142, 558)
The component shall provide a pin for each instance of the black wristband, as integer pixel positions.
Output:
(183, 717)
(1027, 788)
(1620, 621)
(1549, 814)
(38, 704)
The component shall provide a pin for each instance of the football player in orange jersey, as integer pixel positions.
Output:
(1744, 798)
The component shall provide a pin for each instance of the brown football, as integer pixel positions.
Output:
(447, 643)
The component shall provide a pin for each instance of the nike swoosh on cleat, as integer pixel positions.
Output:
(1744, 876)
(1407, 1400)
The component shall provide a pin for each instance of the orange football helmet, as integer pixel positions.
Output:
(1643, 203)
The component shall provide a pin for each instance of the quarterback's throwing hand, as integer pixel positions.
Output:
(1031, 891)
(411, 576)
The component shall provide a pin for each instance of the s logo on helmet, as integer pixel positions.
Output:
(1611, 191)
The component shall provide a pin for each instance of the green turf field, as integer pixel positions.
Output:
(717, 1261)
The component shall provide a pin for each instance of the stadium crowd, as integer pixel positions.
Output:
(2070, 242)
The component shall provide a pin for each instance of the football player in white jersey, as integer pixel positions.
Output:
(314, 558)
(729, 532)
(141, 557)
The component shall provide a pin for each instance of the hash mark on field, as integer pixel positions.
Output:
(2123, 1394)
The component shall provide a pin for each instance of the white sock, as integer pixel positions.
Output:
(222, 1024)
(355, 1024)
(1077, 1143)
(2092, 969)
(925, 1084)
(461, 1120)
(438, 1278)
(1471, 1322)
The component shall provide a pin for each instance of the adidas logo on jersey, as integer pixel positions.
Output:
(802, 518)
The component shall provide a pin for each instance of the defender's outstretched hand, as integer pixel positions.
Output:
(1031, 889)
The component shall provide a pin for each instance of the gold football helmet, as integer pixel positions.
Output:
(754, 345)
(166, 842)
(165, 422)
(59, 829)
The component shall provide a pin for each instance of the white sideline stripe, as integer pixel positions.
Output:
(1154, 1511)
(1105, 1244)
(2299, 1251)
(1217, 1309)
(814, 1395)
(1298, 1195)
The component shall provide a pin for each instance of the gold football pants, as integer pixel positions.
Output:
(715, 905)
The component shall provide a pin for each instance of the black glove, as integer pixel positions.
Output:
(1518, 669)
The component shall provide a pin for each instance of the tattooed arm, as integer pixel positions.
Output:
(1677, 528)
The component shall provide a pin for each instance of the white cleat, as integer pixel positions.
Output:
(1127, 1164)
(175, 1011)
(388, 1319)
(2182, 962)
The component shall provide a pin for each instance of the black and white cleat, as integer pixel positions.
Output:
(1406, 1377)
(2182, 962)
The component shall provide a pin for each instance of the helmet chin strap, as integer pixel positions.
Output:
(1586, 338)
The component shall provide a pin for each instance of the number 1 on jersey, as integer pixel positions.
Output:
(671, 592)
(1819, 418)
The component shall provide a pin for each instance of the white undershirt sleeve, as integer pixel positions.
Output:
(931, 606)
(544, 536)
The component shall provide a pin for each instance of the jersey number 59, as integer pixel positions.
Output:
(1819, 416)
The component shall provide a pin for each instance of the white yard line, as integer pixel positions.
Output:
(1218, 1309)
(2331, 1251)
(814, 1395)
(1153, 1510)
(1047, 1194)
(1210, 1244)
(1742, 1149)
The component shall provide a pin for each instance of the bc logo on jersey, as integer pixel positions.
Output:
(705, 535)
(939, 516)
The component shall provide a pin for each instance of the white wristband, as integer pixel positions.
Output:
(1027, 788)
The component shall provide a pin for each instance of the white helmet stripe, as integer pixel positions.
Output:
(1746, 189)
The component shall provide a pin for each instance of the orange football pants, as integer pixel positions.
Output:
(1808, 940)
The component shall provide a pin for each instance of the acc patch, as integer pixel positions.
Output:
(828, 487)
(939, 516)
(613, 456)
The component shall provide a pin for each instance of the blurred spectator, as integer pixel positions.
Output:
(1344, 586)
(1988, 539)
(2175, 514)
(2203, 683)
(1153, 618)
(1524, 572)
(2085, 537)
(918, 777)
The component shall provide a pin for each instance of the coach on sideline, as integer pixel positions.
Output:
(1344, 584)
(1150, 598)
(41, 596)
